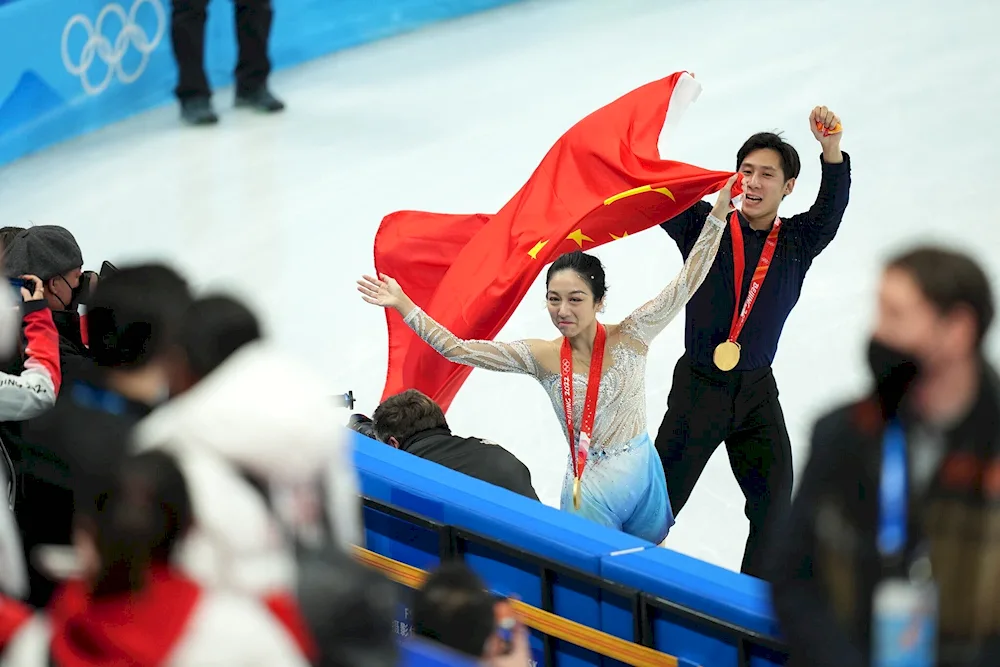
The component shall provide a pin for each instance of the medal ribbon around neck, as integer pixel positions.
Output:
(727, 354)
(579, 449)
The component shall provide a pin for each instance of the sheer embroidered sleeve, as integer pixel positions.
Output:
(513, 357)
(651, 318)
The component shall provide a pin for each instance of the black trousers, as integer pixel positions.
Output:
(187, 32)
(707, 407)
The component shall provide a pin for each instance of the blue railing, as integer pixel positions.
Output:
(418, 513)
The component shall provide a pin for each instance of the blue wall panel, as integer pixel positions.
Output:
(72, 66)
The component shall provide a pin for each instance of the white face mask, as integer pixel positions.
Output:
(10, 321)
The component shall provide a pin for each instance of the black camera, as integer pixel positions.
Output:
(107, 269)
(363, 425)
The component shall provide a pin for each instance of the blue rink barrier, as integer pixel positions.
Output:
(417, 653)
(72, 66)
(419, 513)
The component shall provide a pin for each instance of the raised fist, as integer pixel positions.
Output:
(825, 125)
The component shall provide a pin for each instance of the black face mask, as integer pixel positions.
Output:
(78, 293)
(894, 371)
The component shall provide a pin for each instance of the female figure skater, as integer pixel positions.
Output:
(616, 471)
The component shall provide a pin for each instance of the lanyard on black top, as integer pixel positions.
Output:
(893, 496)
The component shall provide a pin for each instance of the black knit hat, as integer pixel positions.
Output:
(45, 251)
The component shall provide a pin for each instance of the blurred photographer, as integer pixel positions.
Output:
(891, 553)
(24, 395)
(52, 253)
(66, 453)
(34, 390)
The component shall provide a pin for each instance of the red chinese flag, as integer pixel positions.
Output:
(602, 180)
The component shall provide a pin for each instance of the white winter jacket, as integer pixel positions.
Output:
(34, 390)
(274, 418)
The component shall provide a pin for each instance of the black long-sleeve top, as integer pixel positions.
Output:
(802, 237)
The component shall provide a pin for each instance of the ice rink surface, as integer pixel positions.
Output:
(455, 117)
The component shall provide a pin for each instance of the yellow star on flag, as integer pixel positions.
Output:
(619, 238)
(537, 249)
(579, 237)
(638, 191)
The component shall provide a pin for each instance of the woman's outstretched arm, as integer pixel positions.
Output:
(646, 322)
(516, 357)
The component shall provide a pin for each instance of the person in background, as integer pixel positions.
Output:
(34, 390)
(52, 253)
(23, 396)
(454, 608)
(412, 422)
(255, 432)
(723, 389)
(896, 518)
(253, 29)
(126, 604)
(65, 452)
(351, 608)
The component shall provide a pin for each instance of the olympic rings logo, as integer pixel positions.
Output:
(111, 54)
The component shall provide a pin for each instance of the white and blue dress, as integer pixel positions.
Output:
(623, 484)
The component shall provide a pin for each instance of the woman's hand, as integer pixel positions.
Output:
(724, 204)
(383, 291)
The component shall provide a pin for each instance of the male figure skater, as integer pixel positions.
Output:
(723, 388)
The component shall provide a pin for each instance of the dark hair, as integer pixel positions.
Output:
(787, 155)
(349, 609)
(138, 521)
(949, 280)
(213, 328)
(133, 314)
(6, 235)
(405, 414)
(588, 267)
(454, 608)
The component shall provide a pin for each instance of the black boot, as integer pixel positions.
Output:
(259, 100)
(198, 111)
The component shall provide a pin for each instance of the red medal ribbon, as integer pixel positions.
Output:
(579, 451)
(740, 314)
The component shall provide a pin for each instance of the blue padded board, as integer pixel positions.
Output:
(729, 596)
(420, 653)
(443, 495)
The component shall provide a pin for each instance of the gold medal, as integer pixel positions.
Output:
(727, 355)
(576, 493)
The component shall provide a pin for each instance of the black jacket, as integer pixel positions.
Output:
(63, 458)
(74, 357)
(826, 563)
(74, 363)
(472, 456)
